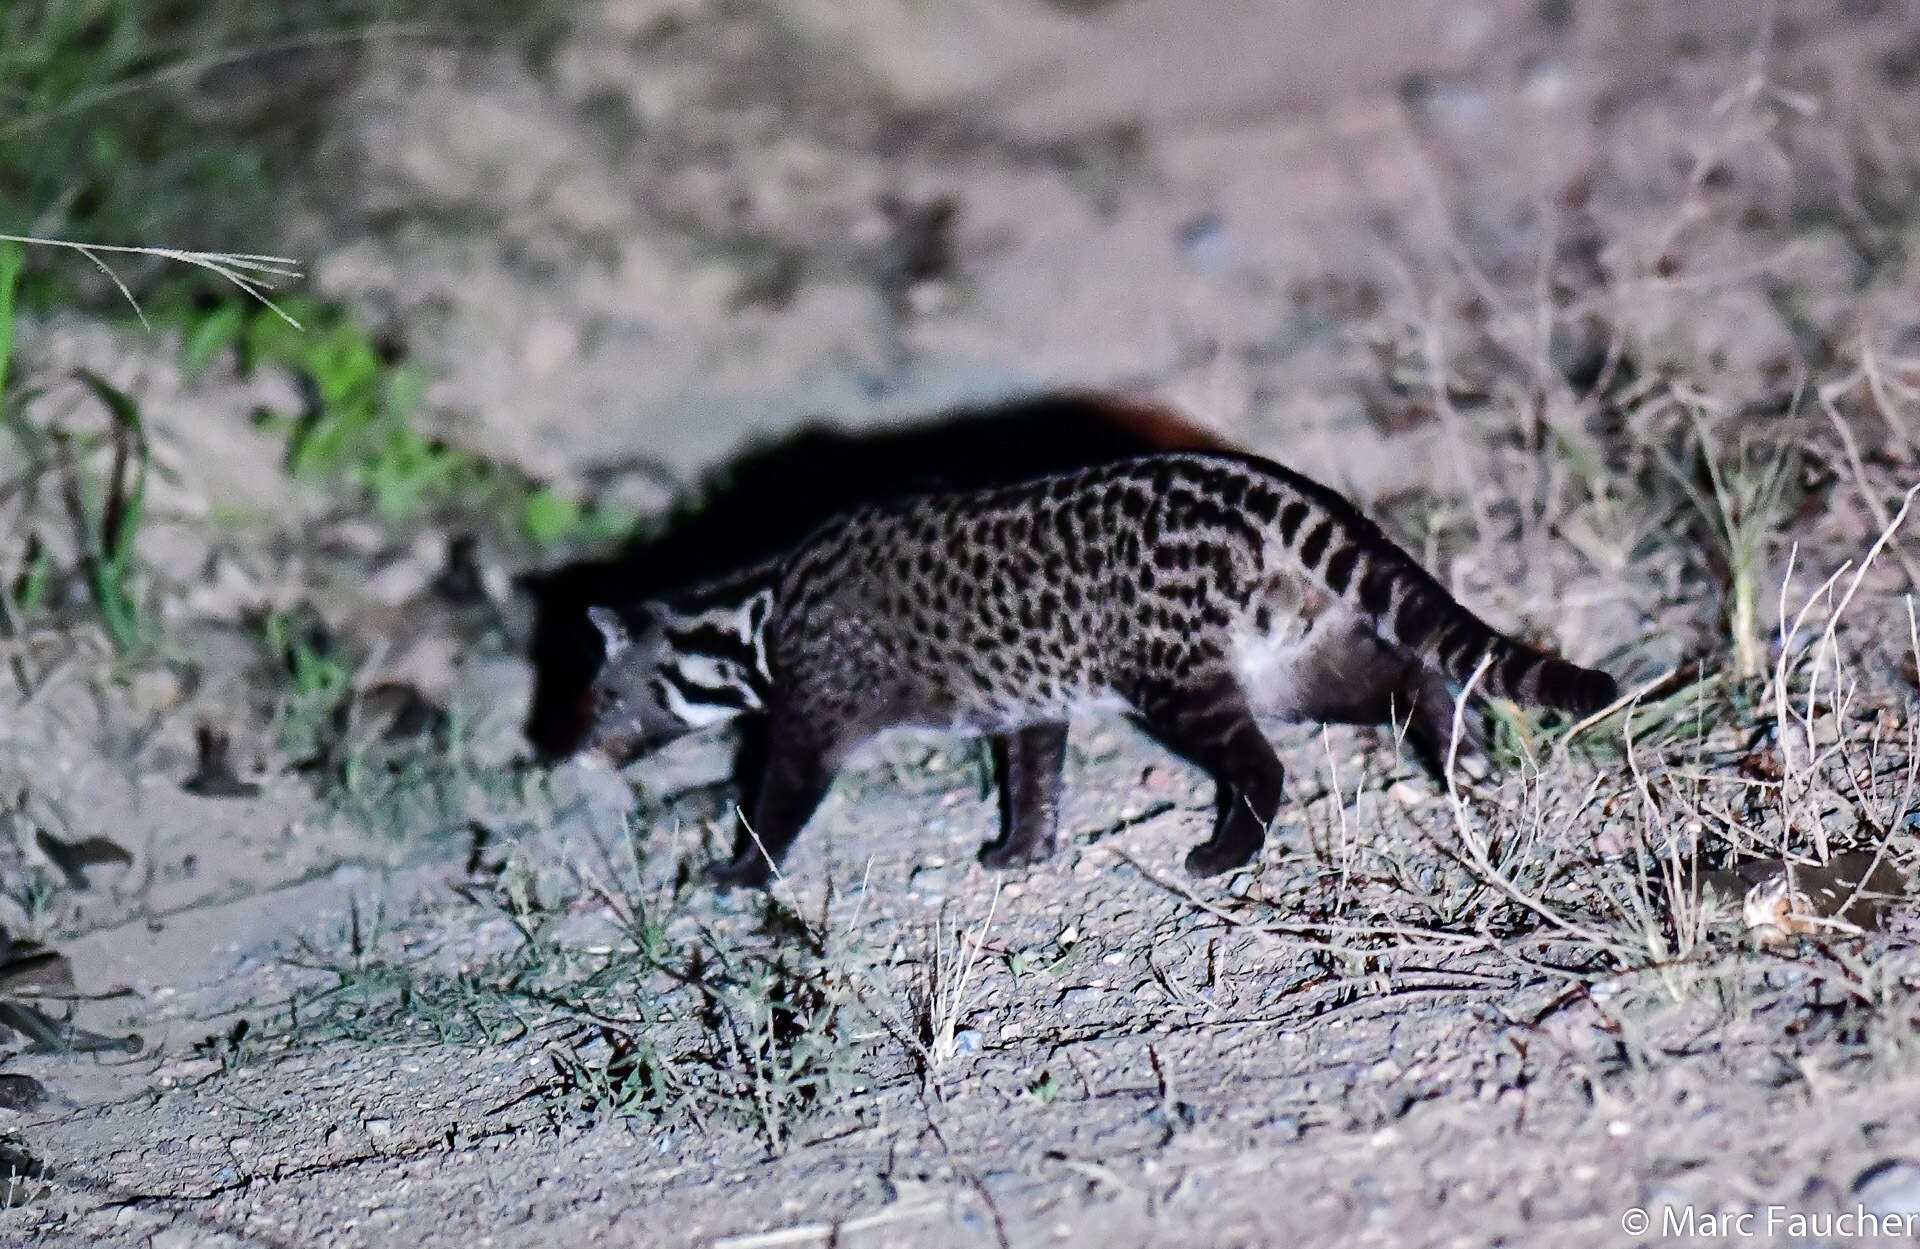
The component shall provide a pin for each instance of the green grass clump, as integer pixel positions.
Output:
(105, 509)
(12, 258)
(664, 1022)
(360, 424)
(108, 514)
(317, 682)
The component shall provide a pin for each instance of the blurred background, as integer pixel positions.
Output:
(637, 232)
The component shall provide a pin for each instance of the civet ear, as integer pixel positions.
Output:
(613, 630)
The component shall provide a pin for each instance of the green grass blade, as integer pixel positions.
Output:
(126, 412)
(122, 508)
(12, 256)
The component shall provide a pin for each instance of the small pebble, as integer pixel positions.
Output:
(1287, 1127)
(1665, 1197)
(1890, 1187)
(1405, 794)
(18, 1092)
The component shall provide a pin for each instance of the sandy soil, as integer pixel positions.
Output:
(1445, 257)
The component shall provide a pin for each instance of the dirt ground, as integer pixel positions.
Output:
(1606, 309)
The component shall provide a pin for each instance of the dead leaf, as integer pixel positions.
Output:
(73, 858)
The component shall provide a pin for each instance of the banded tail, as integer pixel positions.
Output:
(1354, 561)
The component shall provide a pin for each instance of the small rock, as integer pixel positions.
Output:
(1457, 107)
(400, 712)
(177, 1069)
(379, 1129)
(1286, 1127)
(227, 589)
(1665, 1197)
(926, 299)
(29, 969)
(1889, 1187)
(1208, 245)
(548, 345)
(18, 1092)
(1545, 81)
(966, 1041)
(921, 246)
(408, 575)
(156, 690)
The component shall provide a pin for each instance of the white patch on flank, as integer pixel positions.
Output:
(1267, 664)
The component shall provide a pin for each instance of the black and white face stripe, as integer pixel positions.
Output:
(695, 705)
(715, 665)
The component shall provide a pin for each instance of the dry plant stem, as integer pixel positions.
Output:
(1456, 428)
(1287, 936)
(1782, 717)
(1340, 809)
(1874, 507)
(18, 661)
(1476, 277)
(760, 846)
(1794, 728)
(1680, 880)
(1475, 846)
(1828, 646)
(253, 274)
(830, 1233)
(1882, 388)
(950, 990)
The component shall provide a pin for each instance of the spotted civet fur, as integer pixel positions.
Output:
(1195, 591)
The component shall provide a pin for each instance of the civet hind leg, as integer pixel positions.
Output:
(1351, 676)
(1205, 718)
